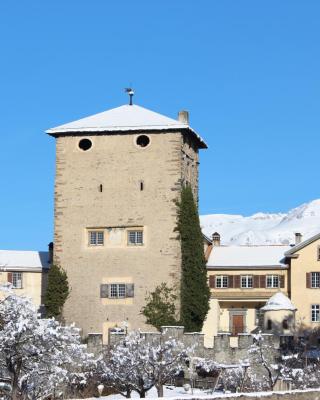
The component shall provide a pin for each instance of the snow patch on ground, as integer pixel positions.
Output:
(263, 228)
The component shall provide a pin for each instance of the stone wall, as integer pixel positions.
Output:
(226, 349)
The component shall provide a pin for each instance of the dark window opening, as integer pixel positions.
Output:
(100, 188)
(85, 144)
(143, 141)
(269, 325)
(141, 186)
(285, 324)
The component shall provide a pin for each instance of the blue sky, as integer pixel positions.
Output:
(247, 71)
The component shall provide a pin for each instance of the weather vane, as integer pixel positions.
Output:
(130, 92)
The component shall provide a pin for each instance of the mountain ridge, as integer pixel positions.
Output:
(264, 228)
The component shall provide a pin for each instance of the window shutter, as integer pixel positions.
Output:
(129, 290)
(104, 291)
(281, 277)
(256, 281)
(212, 281)
(10, 277)
(237, 281)
(262, 281)
(230, 281)
(308, 278)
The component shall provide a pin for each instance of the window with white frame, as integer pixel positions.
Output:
(117, 290)
(135, 238)
(272, 281)
(96, 238)
(17, 280)
(315, 279)
(222, 281)
(246, 281)
(315, 313)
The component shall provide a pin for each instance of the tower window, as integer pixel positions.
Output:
(117, 290)
(85, 144)
(141, 186)
(142, 141)
(96, 238)
(269, 325)
(135, 238)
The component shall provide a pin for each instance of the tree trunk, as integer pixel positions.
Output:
(142, 394)
(128, 393)
(160, 390)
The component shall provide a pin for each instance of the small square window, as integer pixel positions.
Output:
(96, 238)
(272, 281)
(222, 281)
(117, 291)
(246, 281)
(135, 238)
(17, 280)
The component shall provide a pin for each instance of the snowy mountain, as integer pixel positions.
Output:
(264, 228)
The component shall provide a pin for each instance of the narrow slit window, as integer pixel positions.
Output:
(141, 186)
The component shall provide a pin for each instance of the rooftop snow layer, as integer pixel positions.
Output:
(278, 301)
(123, 118)
(247, 256)
(13, 259)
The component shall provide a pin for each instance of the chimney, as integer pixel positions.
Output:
(216, 239)
(50, 248)
(183, 117)
(298, 238)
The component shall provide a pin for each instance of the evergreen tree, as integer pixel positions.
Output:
(194, 291)
(160, 309)
(57, 291)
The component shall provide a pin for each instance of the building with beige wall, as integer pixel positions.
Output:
(241, 280)
(304, 261)
(26, 271)
(118, 176)
(273, 288)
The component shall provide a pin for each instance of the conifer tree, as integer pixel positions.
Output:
(194, 289)
(160, 309)
(57, 291)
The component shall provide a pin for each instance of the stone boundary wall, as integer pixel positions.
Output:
(291, 395)
(224, 350)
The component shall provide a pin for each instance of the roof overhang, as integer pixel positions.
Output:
(301, 245)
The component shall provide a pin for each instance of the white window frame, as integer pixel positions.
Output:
(315, 313)
(246, 281)
(315, 280)
(95, 237)
(222, 281)
(135, 237)
(117, 291)
(17, 280)
(273, 281)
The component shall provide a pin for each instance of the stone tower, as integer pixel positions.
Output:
(118, 174)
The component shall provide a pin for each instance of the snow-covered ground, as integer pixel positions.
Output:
(264, 228)
(179, 392)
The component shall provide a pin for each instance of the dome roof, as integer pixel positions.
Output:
(279, 301)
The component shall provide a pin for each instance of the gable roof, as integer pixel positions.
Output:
(301, 245)
(124, 118)
(247, 257)
(16, 260)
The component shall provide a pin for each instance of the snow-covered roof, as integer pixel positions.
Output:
(303, 244)
(124, 118)
(16, 260)
(278, 301)
(247, 256)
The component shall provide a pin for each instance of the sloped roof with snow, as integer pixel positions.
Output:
(124, 118)
(303, 244)
(278, 301)
(247, 256)
(16, 260)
